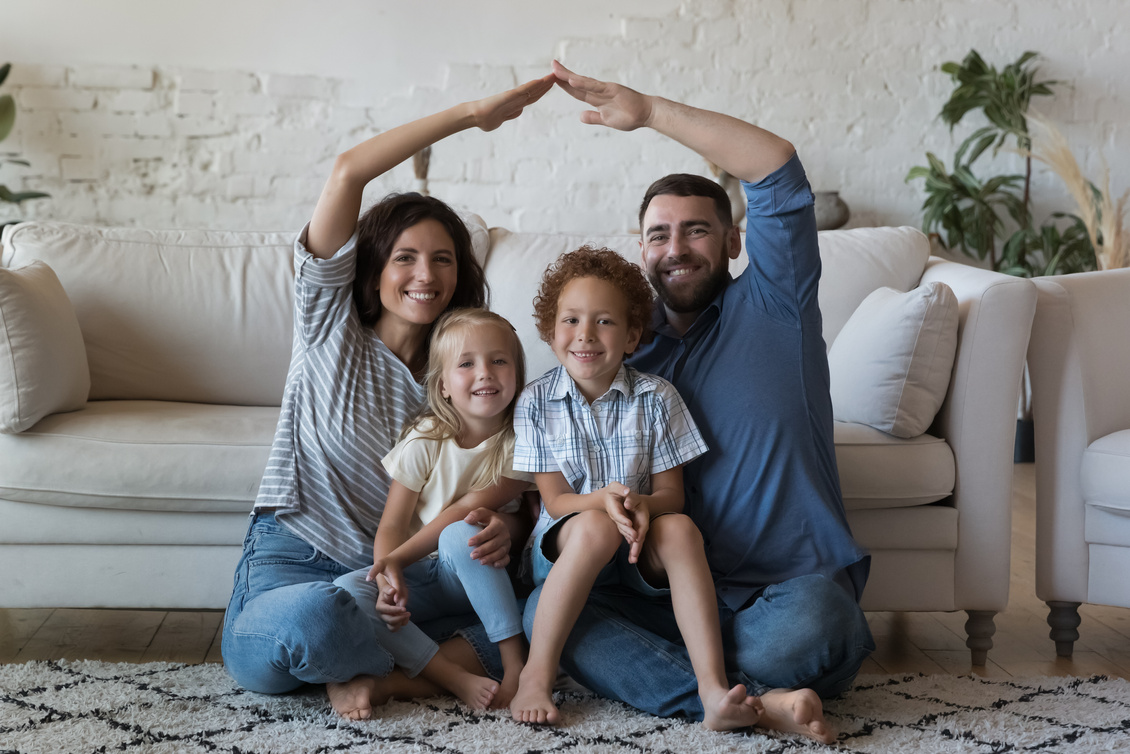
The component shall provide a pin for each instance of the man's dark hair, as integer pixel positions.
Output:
(377, 231)
(686, 184)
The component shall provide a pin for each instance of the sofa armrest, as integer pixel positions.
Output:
(1078, 356)
(978, 420)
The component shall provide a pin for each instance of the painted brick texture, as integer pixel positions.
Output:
(853, 84)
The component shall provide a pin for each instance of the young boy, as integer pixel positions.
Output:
(607, 444)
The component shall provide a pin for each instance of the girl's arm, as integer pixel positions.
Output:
(392, 604)
(335, 216)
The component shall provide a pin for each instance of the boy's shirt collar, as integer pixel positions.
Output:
(626, 382)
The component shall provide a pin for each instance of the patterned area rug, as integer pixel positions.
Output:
(100, 707)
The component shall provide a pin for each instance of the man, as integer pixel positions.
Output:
(748, 357)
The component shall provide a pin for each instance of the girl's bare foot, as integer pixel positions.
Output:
(506, 690)
(353, 699)
(533, 703)
(476, 691)
(730, 710)
(798, 711)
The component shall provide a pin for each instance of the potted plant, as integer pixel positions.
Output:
(7, 121)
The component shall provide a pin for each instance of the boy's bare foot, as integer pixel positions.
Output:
(476, 691)
(353, 699)
(798, 711)
(506, 691)
(731, 709)
(533, 703)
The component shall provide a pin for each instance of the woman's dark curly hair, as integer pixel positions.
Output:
(603, 264)
(377, 231)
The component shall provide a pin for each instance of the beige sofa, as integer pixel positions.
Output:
(139, 496)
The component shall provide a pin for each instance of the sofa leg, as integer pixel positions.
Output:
(1063, 617)
(980, 629)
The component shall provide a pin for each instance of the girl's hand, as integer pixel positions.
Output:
(493, 111)
(392, 603)
(394, 615)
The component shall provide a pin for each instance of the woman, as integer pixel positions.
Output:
(366, 296)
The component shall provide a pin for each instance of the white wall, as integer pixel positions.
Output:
(228, 114)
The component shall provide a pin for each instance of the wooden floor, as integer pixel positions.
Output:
(906, 642)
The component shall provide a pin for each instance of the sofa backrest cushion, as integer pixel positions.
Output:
(198, 316)
(854, 263)
(43, 366)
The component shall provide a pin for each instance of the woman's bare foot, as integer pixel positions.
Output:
(798, 711)
(730, 710)
(476, 691)
(533, 703)
(353, 699)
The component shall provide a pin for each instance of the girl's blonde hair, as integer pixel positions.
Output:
(437, 419)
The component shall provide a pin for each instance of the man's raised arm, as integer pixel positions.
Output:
(741, 149)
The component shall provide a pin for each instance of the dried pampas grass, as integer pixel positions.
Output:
(1101, 215)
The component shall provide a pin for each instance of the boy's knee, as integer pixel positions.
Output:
(675, 530)
(593, 530)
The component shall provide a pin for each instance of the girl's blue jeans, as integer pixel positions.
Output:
(287, 624)
(438, 587)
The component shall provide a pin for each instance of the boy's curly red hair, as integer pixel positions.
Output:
(603, 264)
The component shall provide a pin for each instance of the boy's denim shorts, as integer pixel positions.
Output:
(617, 571)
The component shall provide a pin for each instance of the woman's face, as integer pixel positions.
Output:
(419, 279)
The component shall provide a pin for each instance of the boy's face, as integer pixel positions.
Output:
(591, 334)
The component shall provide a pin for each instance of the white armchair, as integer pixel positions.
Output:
(1079, 357)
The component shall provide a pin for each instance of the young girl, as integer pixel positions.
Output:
(456, 455)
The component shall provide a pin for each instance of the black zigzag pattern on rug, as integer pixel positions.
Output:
(100, 707)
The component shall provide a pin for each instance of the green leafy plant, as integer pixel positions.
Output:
(7, 121)
(973, 214)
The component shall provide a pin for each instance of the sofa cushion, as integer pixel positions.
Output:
(141, 455)
(43, 366)
(881, 471)
(1105, 480)
(890, 366)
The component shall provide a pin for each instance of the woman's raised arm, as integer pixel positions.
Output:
(335, 216)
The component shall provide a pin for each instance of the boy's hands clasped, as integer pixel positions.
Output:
(630, 513)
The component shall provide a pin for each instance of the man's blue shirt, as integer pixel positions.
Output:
(753, 370)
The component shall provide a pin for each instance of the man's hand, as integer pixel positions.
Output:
(616, 105)
(491, 112)
(492, 544)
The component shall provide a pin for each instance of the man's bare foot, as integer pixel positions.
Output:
(730, 710)
(506, 691)
(476, 691)
(533, 703)
(798, 711)
(353, 699)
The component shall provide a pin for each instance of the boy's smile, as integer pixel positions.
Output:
(591, 334)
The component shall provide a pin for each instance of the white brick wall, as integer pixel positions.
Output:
(853, 83)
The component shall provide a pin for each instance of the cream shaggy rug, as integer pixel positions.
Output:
(100, 707)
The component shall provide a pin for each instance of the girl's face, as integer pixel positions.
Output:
(479, 378)
(419, 279)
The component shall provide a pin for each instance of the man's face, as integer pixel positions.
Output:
(686, 251)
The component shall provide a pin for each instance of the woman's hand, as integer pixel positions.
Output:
(493, 111)
(492, 544)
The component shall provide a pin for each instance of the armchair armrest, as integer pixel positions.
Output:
(978, 420)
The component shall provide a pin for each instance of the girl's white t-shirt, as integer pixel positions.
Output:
(441, 471)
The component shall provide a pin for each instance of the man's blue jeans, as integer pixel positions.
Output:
(287, 624)
(437, 588)
(806, 632)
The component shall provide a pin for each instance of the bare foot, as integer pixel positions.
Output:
(533, 703)
(731, 709)
(506, 691)
(353, 699)
(476, 691)
(798, 711)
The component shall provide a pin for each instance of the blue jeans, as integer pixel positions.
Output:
(287, 624)
(437, 587)
(806, 632)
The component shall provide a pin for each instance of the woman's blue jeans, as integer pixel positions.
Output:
(438, 587)
(806, 632)
(287, 624)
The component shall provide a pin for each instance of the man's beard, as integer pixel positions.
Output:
(693, 300)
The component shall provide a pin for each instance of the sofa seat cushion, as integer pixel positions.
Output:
(34, 524)
(141, 455)
(878, 470)
(1105, 480)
